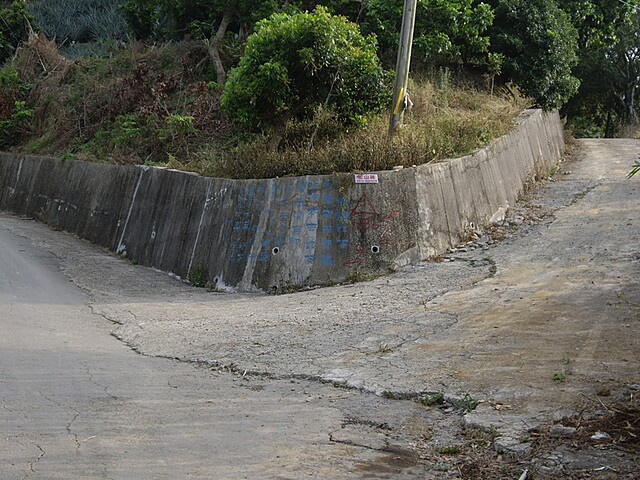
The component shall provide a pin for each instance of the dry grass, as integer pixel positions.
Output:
(116, 109)
(630, 131)
(39, 58)
(444, 123)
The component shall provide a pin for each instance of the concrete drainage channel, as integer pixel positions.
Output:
(287, 233)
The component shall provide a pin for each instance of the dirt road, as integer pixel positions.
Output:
(536, 320)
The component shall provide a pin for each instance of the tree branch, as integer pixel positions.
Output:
(214, 49)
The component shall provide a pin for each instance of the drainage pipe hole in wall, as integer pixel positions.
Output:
(375, 249)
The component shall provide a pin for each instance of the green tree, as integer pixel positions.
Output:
(608, 66)
(14, 24)
(295, 63)
(354, 10)
(596, 20)
(623, 58)
(539, 46)
(15, 117)
(447, 32)
(208, 19)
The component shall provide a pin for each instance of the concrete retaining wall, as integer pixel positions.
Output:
(277, 233)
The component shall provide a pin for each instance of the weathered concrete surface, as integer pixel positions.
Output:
(558, 297)
(278, 233)
(75, 403)
(469, 191)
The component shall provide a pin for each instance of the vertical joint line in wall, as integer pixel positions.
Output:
(19, 172)
(195, 244)
(12, 191)
(245, 283)
(446, 215)
(121, 247)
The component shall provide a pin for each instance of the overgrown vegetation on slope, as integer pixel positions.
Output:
(155, 106)
(578, 55)
(82, 87)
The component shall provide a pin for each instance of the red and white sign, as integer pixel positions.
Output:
(367, 178)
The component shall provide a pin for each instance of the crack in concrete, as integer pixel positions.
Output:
(4, 405)
(105, 473)
(50, 400)
(368, 423)
(583, 193)
(358, 445)
(232, 368)
(104, 388)
(32, 465)
(71, 433)
(104, 316)
(70, 423)
(491, 273)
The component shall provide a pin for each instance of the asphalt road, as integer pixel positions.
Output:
(76, 403)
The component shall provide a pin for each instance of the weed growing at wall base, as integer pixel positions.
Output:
(199, 276)
(467, 403)
(432, 399)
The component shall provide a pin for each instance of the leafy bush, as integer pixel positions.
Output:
(16, 125)
(11, 84)
(293, 64)
(80, 21)
(177, 129)
(14, 21)
(15, 117)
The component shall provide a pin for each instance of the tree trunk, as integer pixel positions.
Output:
(633, 114)
(608, 129)
(214, 49)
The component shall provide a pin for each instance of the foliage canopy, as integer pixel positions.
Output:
(608, 66)
(14, 22)
(539, 46)
(447, 33)
(579, 55)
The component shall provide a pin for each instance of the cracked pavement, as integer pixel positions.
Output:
(77, 403)
(249, 382)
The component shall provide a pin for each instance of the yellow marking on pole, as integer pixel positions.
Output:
(397, 109)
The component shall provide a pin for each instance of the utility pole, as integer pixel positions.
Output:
(402, 66)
